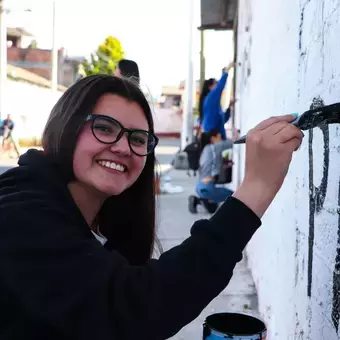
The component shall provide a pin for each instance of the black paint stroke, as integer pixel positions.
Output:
(302, 51)
(301, 28)
(300, 46)
(320, 192)
(317, 195)
(246, 67)
(302, 19)
(311, 214)
(336, 277)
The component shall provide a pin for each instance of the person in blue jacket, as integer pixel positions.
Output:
(211, 113)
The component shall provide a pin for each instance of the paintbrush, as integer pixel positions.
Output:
(310, 119)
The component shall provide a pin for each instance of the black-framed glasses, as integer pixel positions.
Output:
(108, 130)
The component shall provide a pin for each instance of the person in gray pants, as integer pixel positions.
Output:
(209, 194)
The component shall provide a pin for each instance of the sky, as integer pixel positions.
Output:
(154, 33)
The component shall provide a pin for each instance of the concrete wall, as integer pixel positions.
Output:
(289, 60)
(30, 106)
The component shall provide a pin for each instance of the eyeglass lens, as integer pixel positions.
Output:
(107, 131)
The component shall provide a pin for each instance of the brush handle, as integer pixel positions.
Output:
(243, 139)
(310, 119)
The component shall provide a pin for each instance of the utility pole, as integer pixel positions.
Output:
(54, 61)
(3, 58)
(187, 123)
(202, 60)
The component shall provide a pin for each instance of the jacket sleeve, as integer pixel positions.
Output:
(75, 288)
(216, 93)
(226, 115)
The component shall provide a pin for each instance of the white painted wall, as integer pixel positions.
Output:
(289, 53)
(30, 106)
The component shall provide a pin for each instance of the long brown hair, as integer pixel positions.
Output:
(205, 91)
(127, 220)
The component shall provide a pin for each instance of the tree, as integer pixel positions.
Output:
(33, 44)
(105, 59)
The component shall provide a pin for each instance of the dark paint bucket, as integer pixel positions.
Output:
(233, 326)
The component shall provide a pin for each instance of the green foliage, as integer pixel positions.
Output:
(105, 59)
(33, 44)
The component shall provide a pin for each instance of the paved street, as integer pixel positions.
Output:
(166, 150)
(174, 223)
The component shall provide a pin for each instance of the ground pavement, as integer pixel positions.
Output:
(175, 222)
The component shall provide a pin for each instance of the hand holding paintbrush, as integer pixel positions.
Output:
(269, 150)
(310, 119)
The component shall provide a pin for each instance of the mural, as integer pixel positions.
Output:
(316, 194)
(316, 202)
(336, 276)
(309, 253)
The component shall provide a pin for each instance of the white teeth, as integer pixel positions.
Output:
(112, 165)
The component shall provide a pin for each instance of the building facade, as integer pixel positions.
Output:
(288, 60)
(23, 52)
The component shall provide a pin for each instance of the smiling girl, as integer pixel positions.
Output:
(77, 224)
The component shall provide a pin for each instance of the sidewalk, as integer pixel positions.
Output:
(174, 222)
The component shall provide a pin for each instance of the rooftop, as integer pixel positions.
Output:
(18, 32)
(19, 74)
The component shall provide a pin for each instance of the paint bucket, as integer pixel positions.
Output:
(233, 326)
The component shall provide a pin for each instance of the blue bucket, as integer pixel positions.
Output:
(233, 326)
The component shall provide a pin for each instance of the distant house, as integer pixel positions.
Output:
(18, 37)
(22, 52)
(34, 60)
(69, 70)
(171, 96)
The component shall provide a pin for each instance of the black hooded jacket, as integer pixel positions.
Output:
(57, 282)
